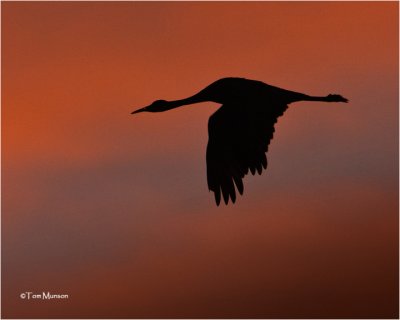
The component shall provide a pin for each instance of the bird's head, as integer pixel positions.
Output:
(336, 98)
(156, 106)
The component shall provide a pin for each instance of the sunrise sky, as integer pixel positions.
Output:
(113, 209)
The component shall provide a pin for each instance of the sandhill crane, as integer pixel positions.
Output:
(241, 129)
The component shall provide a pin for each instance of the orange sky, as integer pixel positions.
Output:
(114, 210)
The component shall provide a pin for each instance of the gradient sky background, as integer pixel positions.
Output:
(113, 209)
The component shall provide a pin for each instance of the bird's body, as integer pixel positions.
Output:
(241, 129)
(234, 90)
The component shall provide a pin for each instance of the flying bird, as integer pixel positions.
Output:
(240, 130)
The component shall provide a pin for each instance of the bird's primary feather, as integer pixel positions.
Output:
(239, 136)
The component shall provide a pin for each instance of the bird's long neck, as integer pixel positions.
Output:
(183, 102)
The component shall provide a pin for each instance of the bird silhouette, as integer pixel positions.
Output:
(240, 130)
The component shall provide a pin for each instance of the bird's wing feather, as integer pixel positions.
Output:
(239, 136)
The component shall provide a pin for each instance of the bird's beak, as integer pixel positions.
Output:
(139, 110)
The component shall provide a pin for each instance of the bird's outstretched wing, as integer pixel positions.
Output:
(239, 136)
